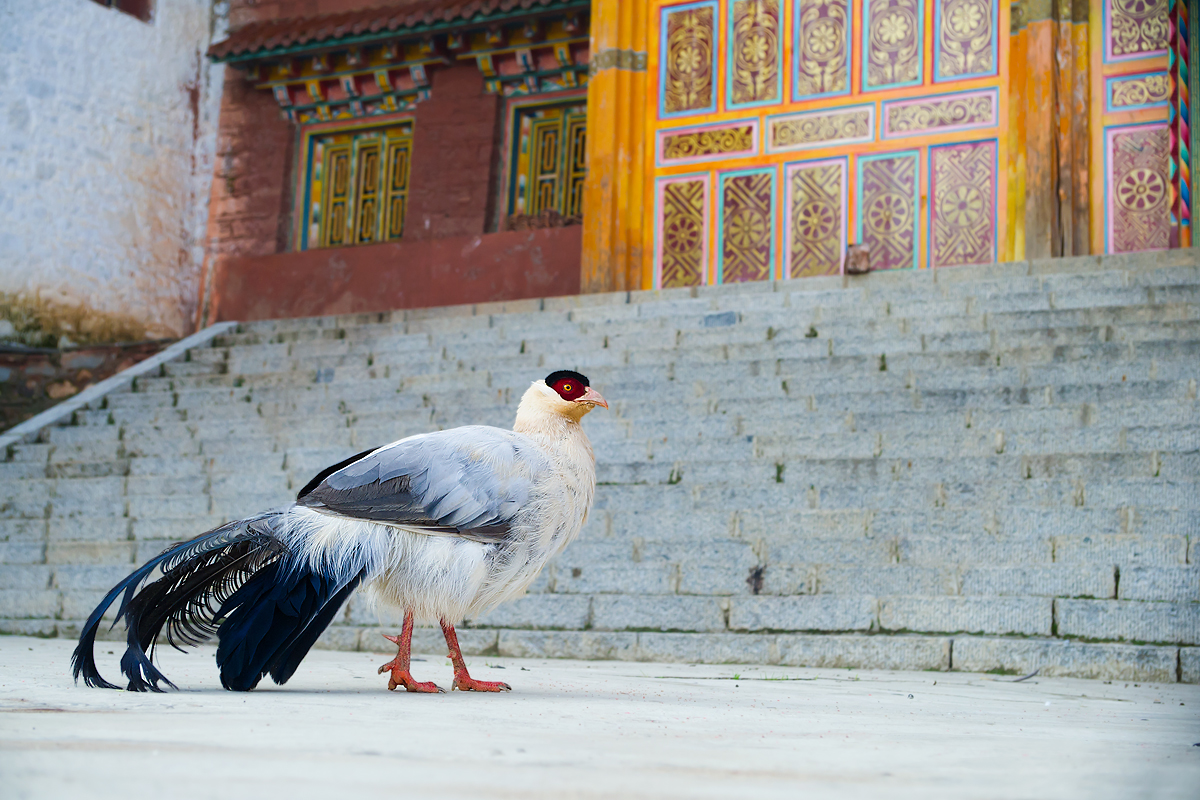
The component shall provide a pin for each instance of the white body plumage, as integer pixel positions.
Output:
(444, 576)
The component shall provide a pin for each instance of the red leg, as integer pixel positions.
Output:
(462, 680)
(399, 665)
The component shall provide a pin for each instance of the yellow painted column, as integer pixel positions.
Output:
(614, 192)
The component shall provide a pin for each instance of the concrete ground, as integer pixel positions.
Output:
(573, 729)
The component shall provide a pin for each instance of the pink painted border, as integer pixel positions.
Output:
(1109, 215)
(994, 94)
(788, 169)
(1109, 58)
(661, 141)
(706, 179)
(994, 145)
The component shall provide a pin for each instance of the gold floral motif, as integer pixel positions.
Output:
(963, 186)
(893, 42)
(816, 220)
(683, 237)
(689, 59)
(886, 189)
(961, 206)
(967, 38)
(975, 110)
(755, 51)
(1141, 91)
(746, 239)
(821, 65)
(808, 129)
(739, 139)
(889, 214)
(1138, 26)
(1139, 214)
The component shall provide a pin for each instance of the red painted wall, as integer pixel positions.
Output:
(249, 204)
(456, 139)
(413, 274)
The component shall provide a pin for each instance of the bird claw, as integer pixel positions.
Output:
(402, 677)
(465, 683)
(421, 687)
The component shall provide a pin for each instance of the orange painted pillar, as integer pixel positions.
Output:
(1041, 162)
(1050, 95)
(614, 192)
(1081, 140)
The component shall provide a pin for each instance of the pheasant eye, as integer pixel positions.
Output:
(569, 390)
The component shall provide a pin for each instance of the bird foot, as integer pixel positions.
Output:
(465, 683)
(402, 677)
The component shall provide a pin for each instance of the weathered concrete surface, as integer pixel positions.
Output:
(599, 729)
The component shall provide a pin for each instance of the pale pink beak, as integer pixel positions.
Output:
(593, 397)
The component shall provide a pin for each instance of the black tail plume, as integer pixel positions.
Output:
(197, 575)
(273, 620)
(236, 583)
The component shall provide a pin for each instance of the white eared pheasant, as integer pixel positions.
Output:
(439, 526)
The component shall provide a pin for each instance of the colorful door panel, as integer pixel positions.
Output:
(1136, 188)
(681, 231)
(815, 217)
(962, 211)
(688, 48)
(746, 226)
(887, 208)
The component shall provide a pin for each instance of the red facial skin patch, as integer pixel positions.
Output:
(569, 390)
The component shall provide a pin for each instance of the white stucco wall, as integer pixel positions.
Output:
(107, 132)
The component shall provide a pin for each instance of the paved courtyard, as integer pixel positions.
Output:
(589, 730)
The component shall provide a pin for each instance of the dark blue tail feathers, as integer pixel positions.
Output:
(273, 621)
(231, 583)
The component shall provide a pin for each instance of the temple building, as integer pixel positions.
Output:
(374, 156)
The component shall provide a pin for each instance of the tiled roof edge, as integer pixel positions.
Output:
(276, 38)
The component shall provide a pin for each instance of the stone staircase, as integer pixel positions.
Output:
(986, 469)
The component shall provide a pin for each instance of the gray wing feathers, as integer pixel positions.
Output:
(471, 481)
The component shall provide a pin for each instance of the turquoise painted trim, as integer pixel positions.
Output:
(720, 254)
(858, 182)
(1111, 83)
(866, 35)
(306, 217)
(797, 47)
(662, 64)
(729, 45)
(937, 45)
